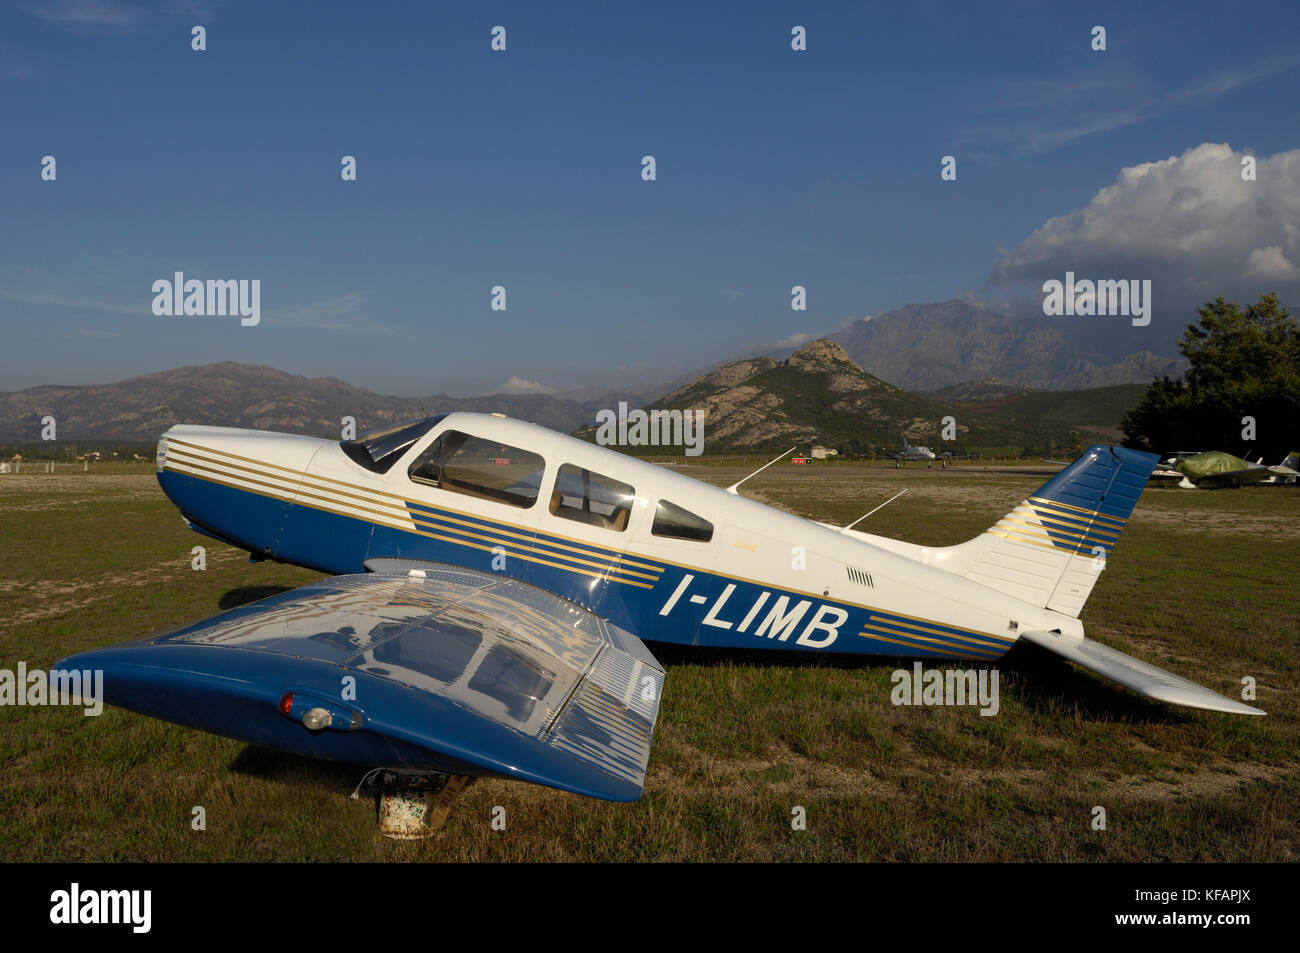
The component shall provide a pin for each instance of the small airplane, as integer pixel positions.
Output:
(910, 452)
(1215, 468)
(491, 581)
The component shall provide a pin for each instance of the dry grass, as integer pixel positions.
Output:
(1203, 583)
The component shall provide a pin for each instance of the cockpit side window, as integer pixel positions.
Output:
(675, 522)
(487, 469)
(591, 498)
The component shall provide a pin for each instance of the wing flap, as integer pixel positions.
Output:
(1143, 677)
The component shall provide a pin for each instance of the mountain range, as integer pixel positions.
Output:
(818, 395)
(888, 374)
(925, 347)
(251, 395)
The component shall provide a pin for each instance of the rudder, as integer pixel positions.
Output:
(1043, 551)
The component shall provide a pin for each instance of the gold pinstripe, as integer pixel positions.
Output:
(419, 514)
(1052, 504)
(587, 562)
(966, 636)
(302, 478)
(1077, 523)
(908, 645)
(1015, 537)
(296, 490)
(610, 574)
(1069, 534)
(506, 528)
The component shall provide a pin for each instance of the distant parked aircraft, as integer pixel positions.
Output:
(1215, 468)
(910, 452)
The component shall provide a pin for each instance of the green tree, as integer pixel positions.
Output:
(1244, 363)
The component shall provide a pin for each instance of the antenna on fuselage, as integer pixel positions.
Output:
(880, 507)
(734, 489)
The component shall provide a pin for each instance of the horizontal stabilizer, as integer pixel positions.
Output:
(1142, 677)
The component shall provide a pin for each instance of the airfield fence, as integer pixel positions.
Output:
(35, 467)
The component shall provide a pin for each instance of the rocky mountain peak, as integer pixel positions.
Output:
(819, 355)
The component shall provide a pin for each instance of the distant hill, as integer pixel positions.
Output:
(819, 396)
(989, 389)
(248, 395)
(925, 347)
(1097, 409)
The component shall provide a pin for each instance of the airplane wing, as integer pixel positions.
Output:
(1164, 476)
(1236, 477)
(1283, 473)
(434, 668)
(1142, 677)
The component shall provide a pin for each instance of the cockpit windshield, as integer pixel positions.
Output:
(380, 449)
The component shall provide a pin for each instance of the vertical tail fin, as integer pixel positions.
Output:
(1050, 549)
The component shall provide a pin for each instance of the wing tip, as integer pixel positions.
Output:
(1206, 700)
(1147, 680)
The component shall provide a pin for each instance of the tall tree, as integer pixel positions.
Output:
(1244, 364)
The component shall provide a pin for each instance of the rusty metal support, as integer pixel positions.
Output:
(413, 806)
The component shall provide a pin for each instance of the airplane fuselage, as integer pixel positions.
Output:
(763, 579)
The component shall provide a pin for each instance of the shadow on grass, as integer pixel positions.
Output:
(246, 594)
(297, 770)
(1047, 684)
(1044, 683)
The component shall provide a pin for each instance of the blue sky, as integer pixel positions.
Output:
(522, 168)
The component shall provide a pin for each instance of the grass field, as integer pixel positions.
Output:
(1203, 583)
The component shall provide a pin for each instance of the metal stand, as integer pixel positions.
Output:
(413, 806)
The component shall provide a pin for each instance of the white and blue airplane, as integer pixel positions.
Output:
(491, 582)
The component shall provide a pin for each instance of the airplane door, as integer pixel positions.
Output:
(586, 551)
(465, 500)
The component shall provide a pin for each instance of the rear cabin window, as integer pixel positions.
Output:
(675, 522)
(591, 498)
(486, 469)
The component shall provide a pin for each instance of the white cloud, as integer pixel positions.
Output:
(1189, 223)
(112, 16)
(56, 300)
(1269, 264)
(519, 385)
(347, 312)
(1033, 114)
(80, 15)
(794, 340)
